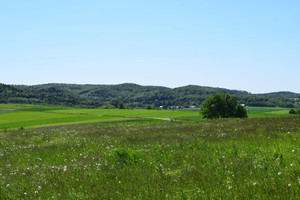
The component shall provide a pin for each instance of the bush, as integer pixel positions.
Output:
(149, 107)
(126, 156)
(292, 111)
(121, 105)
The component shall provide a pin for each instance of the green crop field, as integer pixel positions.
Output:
(254, 112)
(176, 114)
(15, 116)
(30, 116)
(256, 158)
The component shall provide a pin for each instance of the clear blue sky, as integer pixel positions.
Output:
(251, 45)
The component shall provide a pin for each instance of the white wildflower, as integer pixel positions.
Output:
(279, 173)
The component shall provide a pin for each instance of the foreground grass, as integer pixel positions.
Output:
(217, 159)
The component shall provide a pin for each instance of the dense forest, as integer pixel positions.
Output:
(134, 96)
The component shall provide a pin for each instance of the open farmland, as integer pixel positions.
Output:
(153, 159)
(254, 112)
(14, 116)
(174, 114)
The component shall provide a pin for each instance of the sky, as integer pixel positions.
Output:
(251, 45)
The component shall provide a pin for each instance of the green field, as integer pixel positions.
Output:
(31, 116)
(254, 112)
(35, 116)
(256, 158)
(176, 114)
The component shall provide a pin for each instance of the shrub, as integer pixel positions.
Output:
(121, 105)
(292, 111)
(126, 156)
(149, 107)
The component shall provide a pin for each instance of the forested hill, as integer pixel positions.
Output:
(133, 95)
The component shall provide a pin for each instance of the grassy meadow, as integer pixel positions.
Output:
(185, 158)
(153, 159)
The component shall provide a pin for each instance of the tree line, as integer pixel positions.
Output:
(134, 96)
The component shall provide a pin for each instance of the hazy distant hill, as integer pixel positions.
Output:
(282, 94)
(133, 95)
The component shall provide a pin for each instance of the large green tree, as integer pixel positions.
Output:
(222, 106)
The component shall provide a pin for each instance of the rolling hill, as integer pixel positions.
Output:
(133, 95)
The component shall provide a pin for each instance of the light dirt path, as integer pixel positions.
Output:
(166, 119)
(65, 125)
(122, 120)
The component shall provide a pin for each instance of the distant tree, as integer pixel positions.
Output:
(222, 106)
(121, 105)
(149, 107)
(292, 111)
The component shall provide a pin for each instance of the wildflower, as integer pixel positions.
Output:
(65, 168)
(36, 192)
(7, 185)
(229, 187)
(254, 183)
(293, 150)
(289, 185)
(291, 164)
(39, 187)
(279, 173)
(25, 193)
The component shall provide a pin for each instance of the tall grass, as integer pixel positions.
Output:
(210, 159)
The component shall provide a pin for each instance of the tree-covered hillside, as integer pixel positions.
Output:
(133, 95)
(37, 95)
